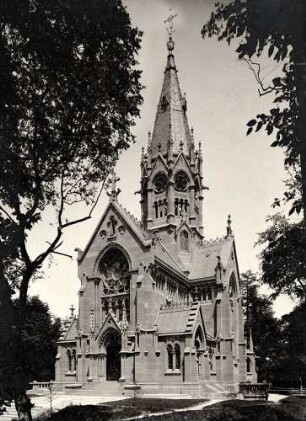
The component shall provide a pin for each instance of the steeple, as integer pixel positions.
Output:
(171, 112)
(171, 183)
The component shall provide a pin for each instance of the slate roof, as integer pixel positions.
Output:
(173, 321)
(205, 258)
(171, 121)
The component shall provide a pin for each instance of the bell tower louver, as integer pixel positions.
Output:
(171, 176)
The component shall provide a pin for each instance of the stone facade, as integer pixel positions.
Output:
(159, 307)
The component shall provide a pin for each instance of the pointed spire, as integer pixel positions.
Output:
(171, 111)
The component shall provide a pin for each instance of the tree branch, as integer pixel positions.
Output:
(263, 90)
(7, 214)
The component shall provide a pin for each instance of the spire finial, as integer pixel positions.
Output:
(192, 136)
(229, 230)
(170, 29)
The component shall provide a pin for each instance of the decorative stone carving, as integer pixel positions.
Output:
(103, 234)
(121, 229)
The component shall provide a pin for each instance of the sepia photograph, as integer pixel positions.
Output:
(152, 210)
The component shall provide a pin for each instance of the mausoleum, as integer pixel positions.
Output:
(160, 308)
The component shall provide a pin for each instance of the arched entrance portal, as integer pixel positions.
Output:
(113, 359)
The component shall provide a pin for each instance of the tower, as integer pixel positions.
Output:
(171, 170)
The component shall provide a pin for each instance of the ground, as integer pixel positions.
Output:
(292, 408)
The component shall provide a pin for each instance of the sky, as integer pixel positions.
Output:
(244, 174)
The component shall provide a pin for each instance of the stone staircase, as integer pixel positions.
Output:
(214, 390)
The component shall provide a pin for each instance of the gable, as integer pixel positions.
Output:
(115, 225)
(158, 166)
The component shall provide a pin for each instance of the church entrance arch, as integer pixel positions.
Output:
(112, 346)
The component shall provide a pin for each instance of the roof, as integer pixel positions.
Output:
(205, 257)
(173, 320)
(171, 120)
(69, 331)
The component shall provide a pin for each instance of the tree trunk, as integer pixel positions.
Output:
(299, 57)
(23, 406)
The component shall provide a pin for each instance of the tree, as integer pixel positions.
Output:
(265, 328)
(278, 27)
(69, 94)
(283, 257)
(36, 351)
(292, 372)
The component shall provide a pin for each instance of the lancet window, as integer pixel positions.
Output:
(160, 207)
(177, 352)
(184, 240)
(181, 206)
(170, 356)
(72, 359)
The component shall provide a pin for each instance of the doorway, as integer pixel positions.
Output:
(113, 359)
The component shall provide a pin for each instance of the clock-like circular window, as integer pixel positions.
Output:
(160, 182)
(181, 181)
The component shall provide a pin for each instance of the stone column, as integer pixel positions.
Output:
(170, 201)
(150, 207)
(192, 215)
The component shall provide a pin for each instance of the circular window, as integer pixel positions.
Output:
(181, 181)
(160, 182)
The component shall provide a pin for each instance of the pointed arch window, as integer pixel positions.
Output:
(184, 240)
(248, 363)
(170, 357)
(74, 360)
(69, 355)
(177, 352)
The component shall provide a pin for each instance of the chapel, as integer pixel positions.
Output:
(160, 308)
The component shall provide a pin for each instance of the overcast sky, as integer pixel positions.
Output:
(244, 174)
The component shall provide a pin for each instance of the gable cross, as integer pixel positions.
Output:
(71, 308)
(112, 223)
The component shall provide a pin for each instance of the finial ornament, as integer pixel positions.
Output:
(170, 29)
(229, 230)
(169, 23)
(113, 194)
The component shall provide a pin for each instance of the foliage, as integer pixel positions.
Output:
(264, 326)
(32, 358)
(278, 28)
(292, 371)
(69, 93)
(283, 257)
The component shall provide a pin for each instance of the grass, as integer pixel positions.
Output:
(119, 410)
(292, 408)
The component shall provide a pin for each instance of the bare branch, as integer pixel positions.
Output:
(264, 90)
